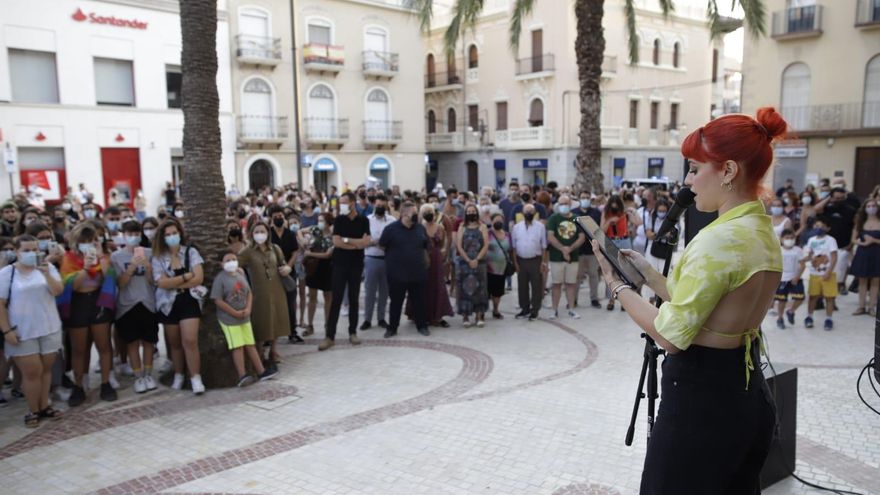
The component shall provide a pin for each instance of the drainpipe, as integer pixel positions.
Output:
(299, 178)
(564, 120)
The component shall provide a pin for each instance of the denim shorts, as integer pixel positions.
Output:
(46, 344)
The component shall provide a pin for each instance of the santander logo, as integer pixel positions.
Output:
(80, 16)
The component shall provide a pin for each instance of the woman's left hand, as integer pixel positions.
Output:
(608, 273)
(11, 337)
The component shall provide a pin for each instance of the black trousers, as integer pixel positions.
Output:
(529, 277)
(291, 311)
(415, 291)
(712, 435)
(344, 276)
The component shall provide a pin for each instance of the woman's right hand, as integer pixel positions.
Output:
(90, 260)
(637, 260)
(11, 338)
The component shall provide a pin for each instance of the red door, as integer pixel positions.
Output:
(122, 171)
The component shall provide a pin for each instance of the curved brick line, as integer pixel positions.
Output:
(586, 489)
(476, 367)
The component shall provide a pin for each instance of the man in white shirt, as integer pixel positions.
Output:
(375, 281)
(530, 259)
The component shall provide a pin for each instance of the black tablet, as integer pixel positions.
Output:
(623, 266)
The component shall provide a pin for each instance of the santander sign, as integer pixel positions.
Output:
(94, 18)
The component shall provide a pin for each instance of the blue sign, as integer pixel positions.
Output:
(379, 163)
(619, 162)
(500, 164)
(655, 162)
(535, 163)
(325, 165)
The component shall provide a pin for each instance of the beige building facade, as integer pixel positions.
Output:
(820, 65)
(359, 73)
(494, 117)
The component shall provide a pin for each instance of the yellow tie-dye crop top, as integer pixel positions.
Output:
(722, 257)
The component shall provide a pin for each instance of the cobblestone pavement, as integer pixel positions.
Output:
(512, 408)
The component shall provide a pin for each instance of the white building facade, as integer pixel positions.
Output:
(90, 93)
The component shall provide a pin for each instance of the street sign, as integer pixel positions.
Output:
(10, 159)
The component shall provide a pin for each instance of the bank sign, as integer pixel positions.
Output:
(80, 16)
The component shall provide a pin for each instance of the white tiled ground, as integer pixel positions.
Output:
(513, 408)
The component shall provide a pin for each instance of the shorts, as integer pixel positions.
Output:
(238, 335)
(823, 288)
(788, 288)
(495, 284)
(84, 311)
(564, 272)
(185, 307)
(138, 323)
(46, 344)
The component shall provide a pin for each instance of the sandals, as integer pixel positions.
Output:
(309, 331)
(497, 315)
(32, 420)
(51, 413)
(443, 324)
(860, 311)
(610, 306)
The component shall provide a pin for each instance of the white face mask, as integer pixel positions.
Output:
(149, 233)
(344, 209)
(260, 238)
(788, 243)
(230, 266)
(322, 225)
(807, 200)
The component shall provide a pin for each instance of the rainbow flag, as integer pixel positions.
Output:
(71, 265)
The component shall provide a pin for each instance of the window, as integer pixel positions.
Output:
(619, 166)
(657, 52)
(450, 120)
(501, 116)
(655, 167)
(114, 82)
(173, 85)
(473, 60)
(432, 80)
(673, 116)
(796, 95)
(474, 117)
(633, 114)
(676, 55)
(715, 65)
(34, 79)
(43, 167)
(536, 113)
(321, 112)
(432, 122)
(177, 167)
(655, 114)
(451, 76)
(871, 112)
(319, 33)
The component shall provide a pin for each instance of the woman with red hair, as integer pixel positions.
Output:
(716, 415)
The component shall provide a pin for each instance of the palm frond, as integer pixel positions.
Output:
(666, 6)
(755, 17)
(465, 14)
(714, 18)
(424, 10)
(629, 11)
(521, 10)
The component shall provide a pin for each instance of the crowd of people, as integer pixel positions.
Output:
(77, 274)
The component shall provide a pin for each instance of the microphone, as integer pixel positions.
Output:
(683, 201)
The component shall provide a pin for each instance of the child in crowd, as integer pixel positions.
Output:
(232, 295)
(793, 264)
(822, 253)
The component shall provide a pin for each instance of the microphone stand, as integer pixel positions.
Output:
(660, 248)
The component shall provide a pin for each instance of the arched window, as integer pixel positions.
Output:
(796, 95)
(871, 112)
(430, 68)
(378, 114)
(432, 122)
(473, 57)
(676, 54)
(536, 113)
(450, 120)
(321, 110)
(656, 52)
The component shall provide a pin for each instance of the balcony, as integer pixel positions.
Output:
(609, 67)
(443, 81)
(535, 67)
(525, 138)
(839, 119)
(325, 133)
(323, 58)
(797, 22)
(381, 65)
(382, 133)
(868, 13)
(260, 130)
(444, 141)
(257, 50)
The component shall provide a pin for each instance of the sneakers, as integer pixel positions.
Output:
(595, 303)
(554, 316)
(366, 325)
(108, 393)
(790, 315)
(112, 379)
(268, 374)
(149, 382)
(780, 323)
(390, 334)
(808, 322)
(245, 380)
(77, 397)
(522, 314)
(124, 369)
(140, 385)
(573, 315)
(177, 384)
(295, 339)
(353, 339)
(424, 331)
(326, 344)
(197, 386)
(829, 325)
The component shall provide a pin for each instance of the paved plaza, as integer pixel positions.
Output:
(512, 408)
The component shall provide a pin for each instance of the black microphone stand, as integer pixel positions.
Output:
(660, 248)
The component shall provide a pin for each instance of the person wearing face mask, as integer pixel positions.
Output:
(29, 216)
(807, 216)
(318, 241)
(564, 241)
(363, 206)
(375, 278)
(822, 252)
(178, 268)
(265, 265)
(453, 207)
(653, 224)
(839, 215)
(644, 213)
(136, 323)
(31, 326)
(509, 203)
(777, 217)
(588, 267)
(436, 301)
(282, 237)
(530, 256)
(406, 242)
(472, 244)
(351, 235)
(793, 265)
(497, 259)
(299, 269)
(866, 262)
(46, 243)
(113, 221)
(308, 217)
(518, 210)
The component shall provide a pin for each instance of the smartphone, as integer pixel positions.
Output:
(139, 251)
(41, 258)
(53, 246)
(621, 264)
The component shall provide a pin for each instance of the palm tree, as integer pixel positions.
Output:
(203, 192)
(589, 53)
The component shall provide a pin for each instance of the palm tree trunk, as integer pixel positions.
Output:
(203, 189)
(589, 50)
